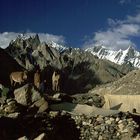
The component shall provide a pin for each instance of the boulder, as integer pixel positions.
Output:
(13, 115)
(26, 95)
(11, 106)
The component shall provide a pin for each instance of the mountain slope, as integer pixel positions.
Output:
(130, 55)
(127, 85)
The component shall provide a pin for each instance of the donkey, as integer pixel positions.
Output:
(18, 77)
(37, 80)
(56, 81)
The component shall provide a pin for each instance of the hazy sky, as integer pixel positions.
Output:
(78, 23)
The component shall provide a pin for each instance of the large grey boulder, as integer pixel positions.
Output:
(27, 95)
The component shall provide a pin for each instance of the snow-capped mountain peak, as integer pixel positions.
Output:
(59, 47)
(120, 57)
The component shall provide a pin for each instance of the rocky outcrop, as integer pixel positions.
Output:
(29, 96)
(30, 52)
(26, 95)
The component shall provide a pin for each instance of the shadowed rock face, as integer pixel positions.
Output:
(57, 128)
(7, 65)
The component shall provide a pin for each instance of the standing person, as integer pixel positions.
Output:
(42, 87)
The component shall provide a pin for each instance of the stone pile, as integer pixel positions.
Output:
(29, 116)
(89, 99)
(106, 128)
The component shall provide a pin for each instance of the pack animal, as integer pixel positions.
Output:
(56, 81)
(18, 77)
(37, 79)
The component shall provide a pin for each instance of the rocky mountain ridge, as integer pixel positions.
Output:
(80, 69)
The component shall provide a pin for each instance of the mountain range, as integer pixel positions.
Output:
(130, 55)
(81, 69)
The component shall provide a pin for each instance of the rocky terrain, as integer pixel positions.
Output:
(81, 110)
(79, 68)
(127, 85)
(31, 116)
(122, 94)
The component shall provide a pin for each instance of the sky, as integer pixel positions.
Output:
(76, 23)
